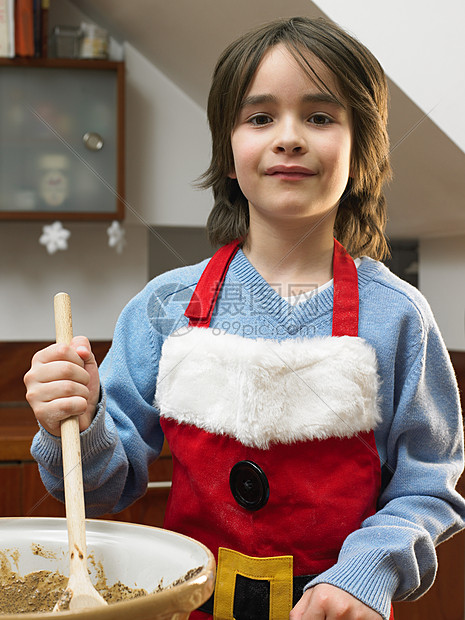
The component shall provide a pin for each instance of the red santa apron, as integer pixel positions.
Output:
(274, 456)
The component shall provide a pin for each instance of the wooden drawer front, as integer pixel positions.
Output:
(10, 490)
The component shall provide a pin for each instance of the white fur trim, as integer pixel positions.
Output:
(262, 391)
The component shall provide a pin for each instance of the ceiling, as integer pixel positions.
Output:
(183, 38)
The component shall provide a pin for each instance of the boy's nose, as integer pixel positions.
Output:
(289, 138)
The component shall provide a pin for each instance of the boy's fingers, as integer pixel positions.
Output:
(60, 408)
(61, 371)
(298, 612)
(57, 352)
(62, 390)
(79, 342)
(84, 349)
(51, 414)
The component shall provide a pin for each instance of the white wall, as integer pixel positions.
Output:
(99, 280)
(442, 281)
(168, 146)
(421, 45)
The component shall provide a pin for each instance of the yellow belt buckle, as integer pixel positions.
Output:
(277, 570)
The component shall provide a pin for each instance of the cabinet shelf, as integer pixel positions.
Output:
(62, 63)
(62, 147)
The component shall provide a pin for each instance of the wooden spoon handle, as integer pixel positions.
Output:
(63, 318)
(71, 449)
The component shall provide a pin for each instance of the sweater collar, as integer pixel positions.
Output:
(317, 305)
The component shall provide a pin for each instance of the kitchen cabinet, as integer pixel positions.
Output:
(27, 496)
(10, 490)
(62, 139)
(22, 493)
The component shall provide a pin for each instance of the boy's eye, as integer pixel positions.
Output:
(260, 119)
(320, 119)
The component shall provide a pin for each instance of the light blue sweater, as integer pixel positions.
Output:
(419, 440)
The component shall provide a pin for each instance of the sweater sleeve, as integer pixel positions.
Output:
(125, 435)
(392, 556)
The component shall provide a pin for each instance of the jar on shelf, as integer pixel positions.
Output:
(53, 180)
(66, 41)
(94, 42)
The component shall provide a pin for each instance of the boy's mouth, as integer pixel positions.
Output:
(290, 172)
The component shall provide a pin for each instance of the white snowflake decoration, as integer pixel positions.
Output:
(55, 237)
(116, 236)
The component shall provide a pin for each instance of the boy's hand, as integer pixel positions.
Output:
(63, 381)
(326, 602)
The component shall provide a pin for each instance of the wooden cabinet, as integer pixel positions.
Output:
(22, 494)
(62, 128)
(10, 490)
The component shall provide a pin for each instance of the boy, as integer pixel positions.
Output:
(316, 445)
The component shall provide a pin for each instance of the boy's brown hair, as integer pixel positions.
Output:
(361, 217)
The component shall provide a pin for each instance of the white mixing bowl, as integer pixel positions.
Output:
(136, 555)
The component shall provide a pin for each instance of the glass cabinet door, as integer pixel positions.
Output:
(60, 143)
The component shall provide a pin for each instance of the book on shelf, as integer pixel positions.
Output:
(37, 16)
(24, 28)
(44, 9)
(7, 29)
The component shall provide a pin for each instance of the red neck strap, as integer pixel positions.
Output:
(345, 301)
(202, 303)
(345, 305)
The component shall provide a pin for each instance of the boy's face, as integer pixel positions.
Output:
(291, 143)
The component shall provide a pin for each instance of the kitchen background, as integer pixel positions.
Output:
(169, 48)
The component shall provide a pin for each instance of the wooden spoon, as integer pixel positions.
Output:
(80, 593)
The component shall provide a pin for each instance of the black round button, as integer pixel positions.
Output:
(249, 485)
